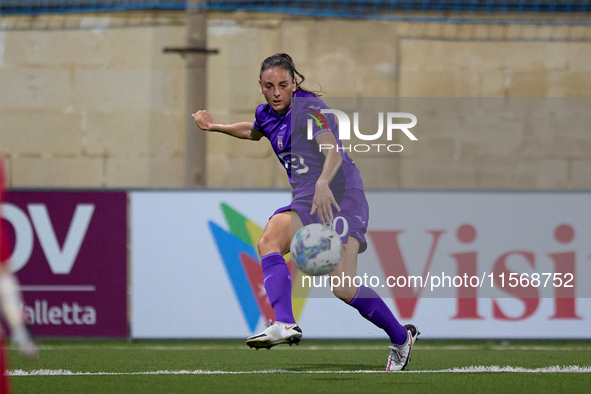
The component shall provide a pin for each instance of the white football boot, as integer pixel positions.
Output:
(400, 354)
(276, 334)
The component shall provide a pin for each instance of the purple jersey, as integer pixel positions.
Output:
(300, 156)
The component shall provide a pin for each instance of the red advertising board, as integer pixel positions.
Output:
(69, 252)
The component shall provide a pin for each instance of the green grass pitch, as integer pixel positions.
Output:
(312, 367)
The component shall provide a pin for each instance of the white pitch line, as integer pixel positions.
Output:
(307, 348)
(472, 369)
(567, 348)
(206, 347)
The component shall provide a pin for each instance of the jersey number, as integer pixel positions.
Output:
(345, 226)
(294, 161)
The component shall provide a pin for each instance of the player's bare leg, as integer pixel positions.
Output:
(276, 235)
(272, 246)
(372, 307)
(348, 268)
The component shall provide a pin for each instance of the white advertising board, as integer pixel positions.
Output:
(195, 273)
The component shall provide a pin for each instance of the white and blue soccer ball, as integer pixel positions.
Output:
(316, 249)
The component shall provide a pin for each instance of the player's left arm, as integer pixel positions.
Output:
(323, 197)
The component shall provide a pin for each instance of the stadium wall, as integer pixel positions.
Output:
(92, 101)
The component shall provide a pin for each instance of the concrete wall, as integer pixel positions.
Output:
(106, 107)
(92, 107)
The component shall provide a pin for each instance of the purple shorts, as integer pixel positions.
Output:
(351, 221)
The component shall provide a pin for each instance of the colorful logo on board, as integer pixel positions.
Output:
(237, 248)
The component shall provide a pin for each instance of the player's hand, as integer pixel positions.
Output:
(203, 119)
(24, 342)
(323, 202)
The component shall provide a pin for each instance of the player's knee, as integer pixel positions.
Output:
(262, 245)
(267, 245)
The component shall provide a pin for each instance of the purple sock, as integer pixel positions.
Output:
(277, 280)
(373, 308)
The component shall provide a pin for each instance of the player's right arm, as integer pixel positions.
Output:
(242, 130)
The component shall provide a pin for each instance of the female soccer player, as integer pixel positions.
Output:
(326, 187)
(10, 305)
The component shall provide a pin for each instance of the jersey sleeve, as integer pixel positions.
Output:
(308, 111)
(259, 119)
(322, 122)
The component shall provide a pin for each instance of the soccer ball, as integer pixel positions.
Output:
(316, 249)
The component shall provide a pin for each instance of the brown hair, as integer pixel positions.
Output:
(285, 61)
